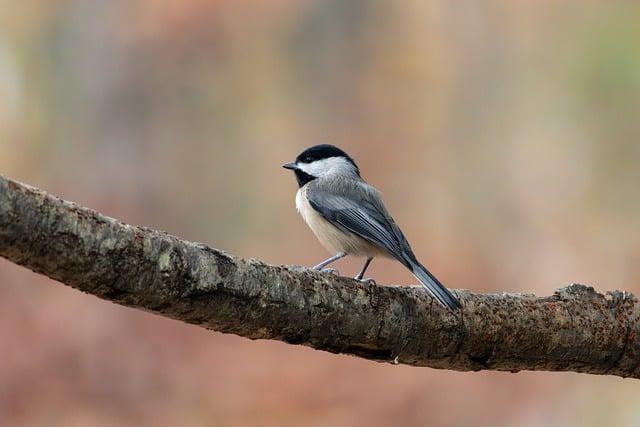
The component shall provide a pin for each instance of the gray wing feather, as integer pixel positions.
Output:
(357, 207)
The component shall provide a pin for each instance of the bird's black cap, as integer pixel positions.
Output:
(323, 151)
(315, 153)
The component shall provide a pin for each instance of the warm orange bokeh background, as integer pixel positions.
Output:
(504, 136)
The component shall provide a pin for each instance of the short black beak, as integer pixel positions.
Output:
(291, 166)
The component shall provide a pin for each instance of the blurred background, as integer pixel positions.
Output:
(504, 136)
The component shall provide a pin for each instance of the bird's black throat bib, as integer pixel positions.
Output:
(303, 177)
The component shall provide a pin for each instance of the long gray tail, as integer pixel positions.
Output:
(434, 287)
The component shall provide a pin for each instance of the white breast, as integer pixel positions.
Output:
(331, 237)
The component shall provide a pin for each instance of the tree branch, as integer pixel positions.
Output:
(576, 329)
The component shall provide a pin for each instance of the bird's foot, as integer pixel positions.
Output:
(367, 280)
(329, 271)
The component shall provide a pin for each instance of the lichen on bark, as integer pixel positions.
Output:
(575, 329)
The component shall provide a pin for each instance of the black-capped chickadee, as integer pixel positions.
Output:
(348, 216)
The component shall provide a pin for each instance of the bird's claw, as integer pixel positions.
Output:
(368, 280)
(329, 271)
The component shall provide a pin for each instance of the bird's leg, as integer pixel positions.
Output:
(324, 263)
(364, 268)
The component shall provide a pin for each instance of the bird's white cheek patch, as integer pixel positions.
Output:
(326, 167)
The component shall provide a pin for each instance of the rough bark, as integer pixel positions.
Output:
(576, 329)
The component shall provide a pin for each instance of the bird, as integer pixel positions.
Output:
(348, 217)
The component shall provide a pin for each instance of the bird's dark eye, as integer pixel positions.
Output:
(308, 159)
